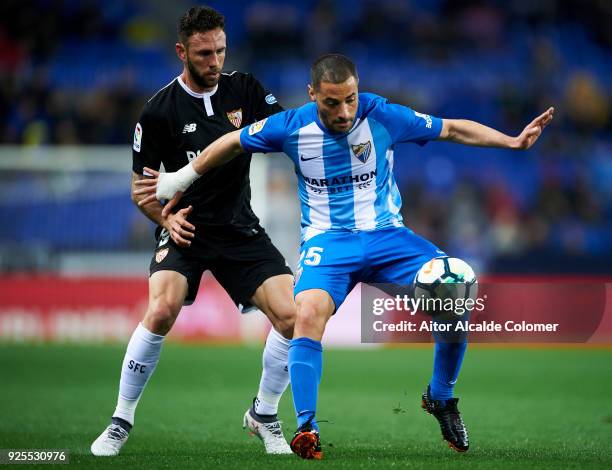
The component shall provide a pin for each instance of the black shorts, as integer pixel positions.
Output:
(240, 262)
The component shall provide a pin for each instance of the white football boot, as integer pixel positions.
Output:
(270, 433)
(110, 442)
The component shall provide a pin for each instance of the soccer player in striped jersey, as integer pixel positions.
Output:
(342, 145)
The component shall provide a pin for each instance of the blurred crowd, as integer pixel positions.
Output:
(78, 72)
(34, 108)
(563, 230)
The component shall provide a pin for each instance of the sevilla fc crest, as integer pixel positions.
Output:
(362, 151)
(235, 117)
(160, 255)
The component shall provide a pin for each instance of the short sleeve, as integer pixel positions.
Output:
(406, 125)
(148, 145)
(267, 135)
(264, 103)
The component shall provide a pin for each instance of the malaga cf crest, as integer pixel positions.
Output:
(362, 151)
(235, 117)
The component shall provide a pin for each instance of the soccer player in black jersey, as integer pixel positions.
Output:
(214, 227)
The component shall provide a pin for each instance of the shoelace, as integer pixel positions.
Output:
(274, 428)
(459, 426)
(307, 426)
(116, 433)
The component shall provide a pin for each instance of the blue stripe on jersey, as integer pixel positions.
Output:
(395, 198)
(341, 211)
(383, 143)
(304, 200)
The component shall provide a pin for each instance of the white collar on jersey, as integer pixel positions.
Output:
(193, 93)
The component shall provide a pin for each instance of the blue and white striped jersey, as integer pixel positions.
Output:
(345, 179)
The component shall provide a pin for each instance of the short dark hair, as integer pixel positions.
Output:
(199, 20)
(332, 68)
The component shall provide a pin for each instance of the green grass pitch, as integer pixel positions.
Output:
(524, 408)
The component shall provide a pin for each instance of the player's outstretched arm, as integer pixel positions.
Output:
(467, 132)
(172, 185)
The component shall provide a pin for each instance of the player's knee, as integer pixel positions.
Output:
(310, 320)
(161, 315)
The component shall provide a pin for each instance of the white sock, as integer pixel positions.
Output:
(275, 375)
(139, 363)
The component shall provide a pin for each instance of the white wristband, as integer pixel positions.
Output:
(169, 184)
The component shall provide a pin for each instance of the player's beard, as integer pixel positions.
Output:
(201, 79)
(332, 125)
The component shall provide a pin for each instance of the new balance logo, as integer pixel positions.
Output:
(189, 128)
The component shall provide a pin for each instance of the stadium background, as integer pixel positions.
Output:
(74, 251)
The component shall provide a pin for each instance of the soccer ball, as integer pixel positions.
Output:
(444, 285)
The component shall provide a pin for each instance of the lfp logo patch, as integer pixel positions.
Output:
(137, 137)
(257, 126)
(362, 151)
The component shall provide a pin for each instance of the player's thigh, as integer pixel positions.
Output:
(314, 309)
(188, 262)
(168, 286)
(274, 297)
(254, 270)
(167, 291)
(397, 254)
(330, 262)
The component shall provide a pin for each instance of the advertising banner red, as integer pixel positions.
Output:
(104, 309)
(93, 309)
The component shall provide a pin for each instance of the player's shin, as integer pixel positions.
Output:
(139, 363)
(275, 374)
(305, 367)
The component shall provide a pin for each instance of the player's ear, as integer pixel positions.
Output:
(181, 51)
(311, 93)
